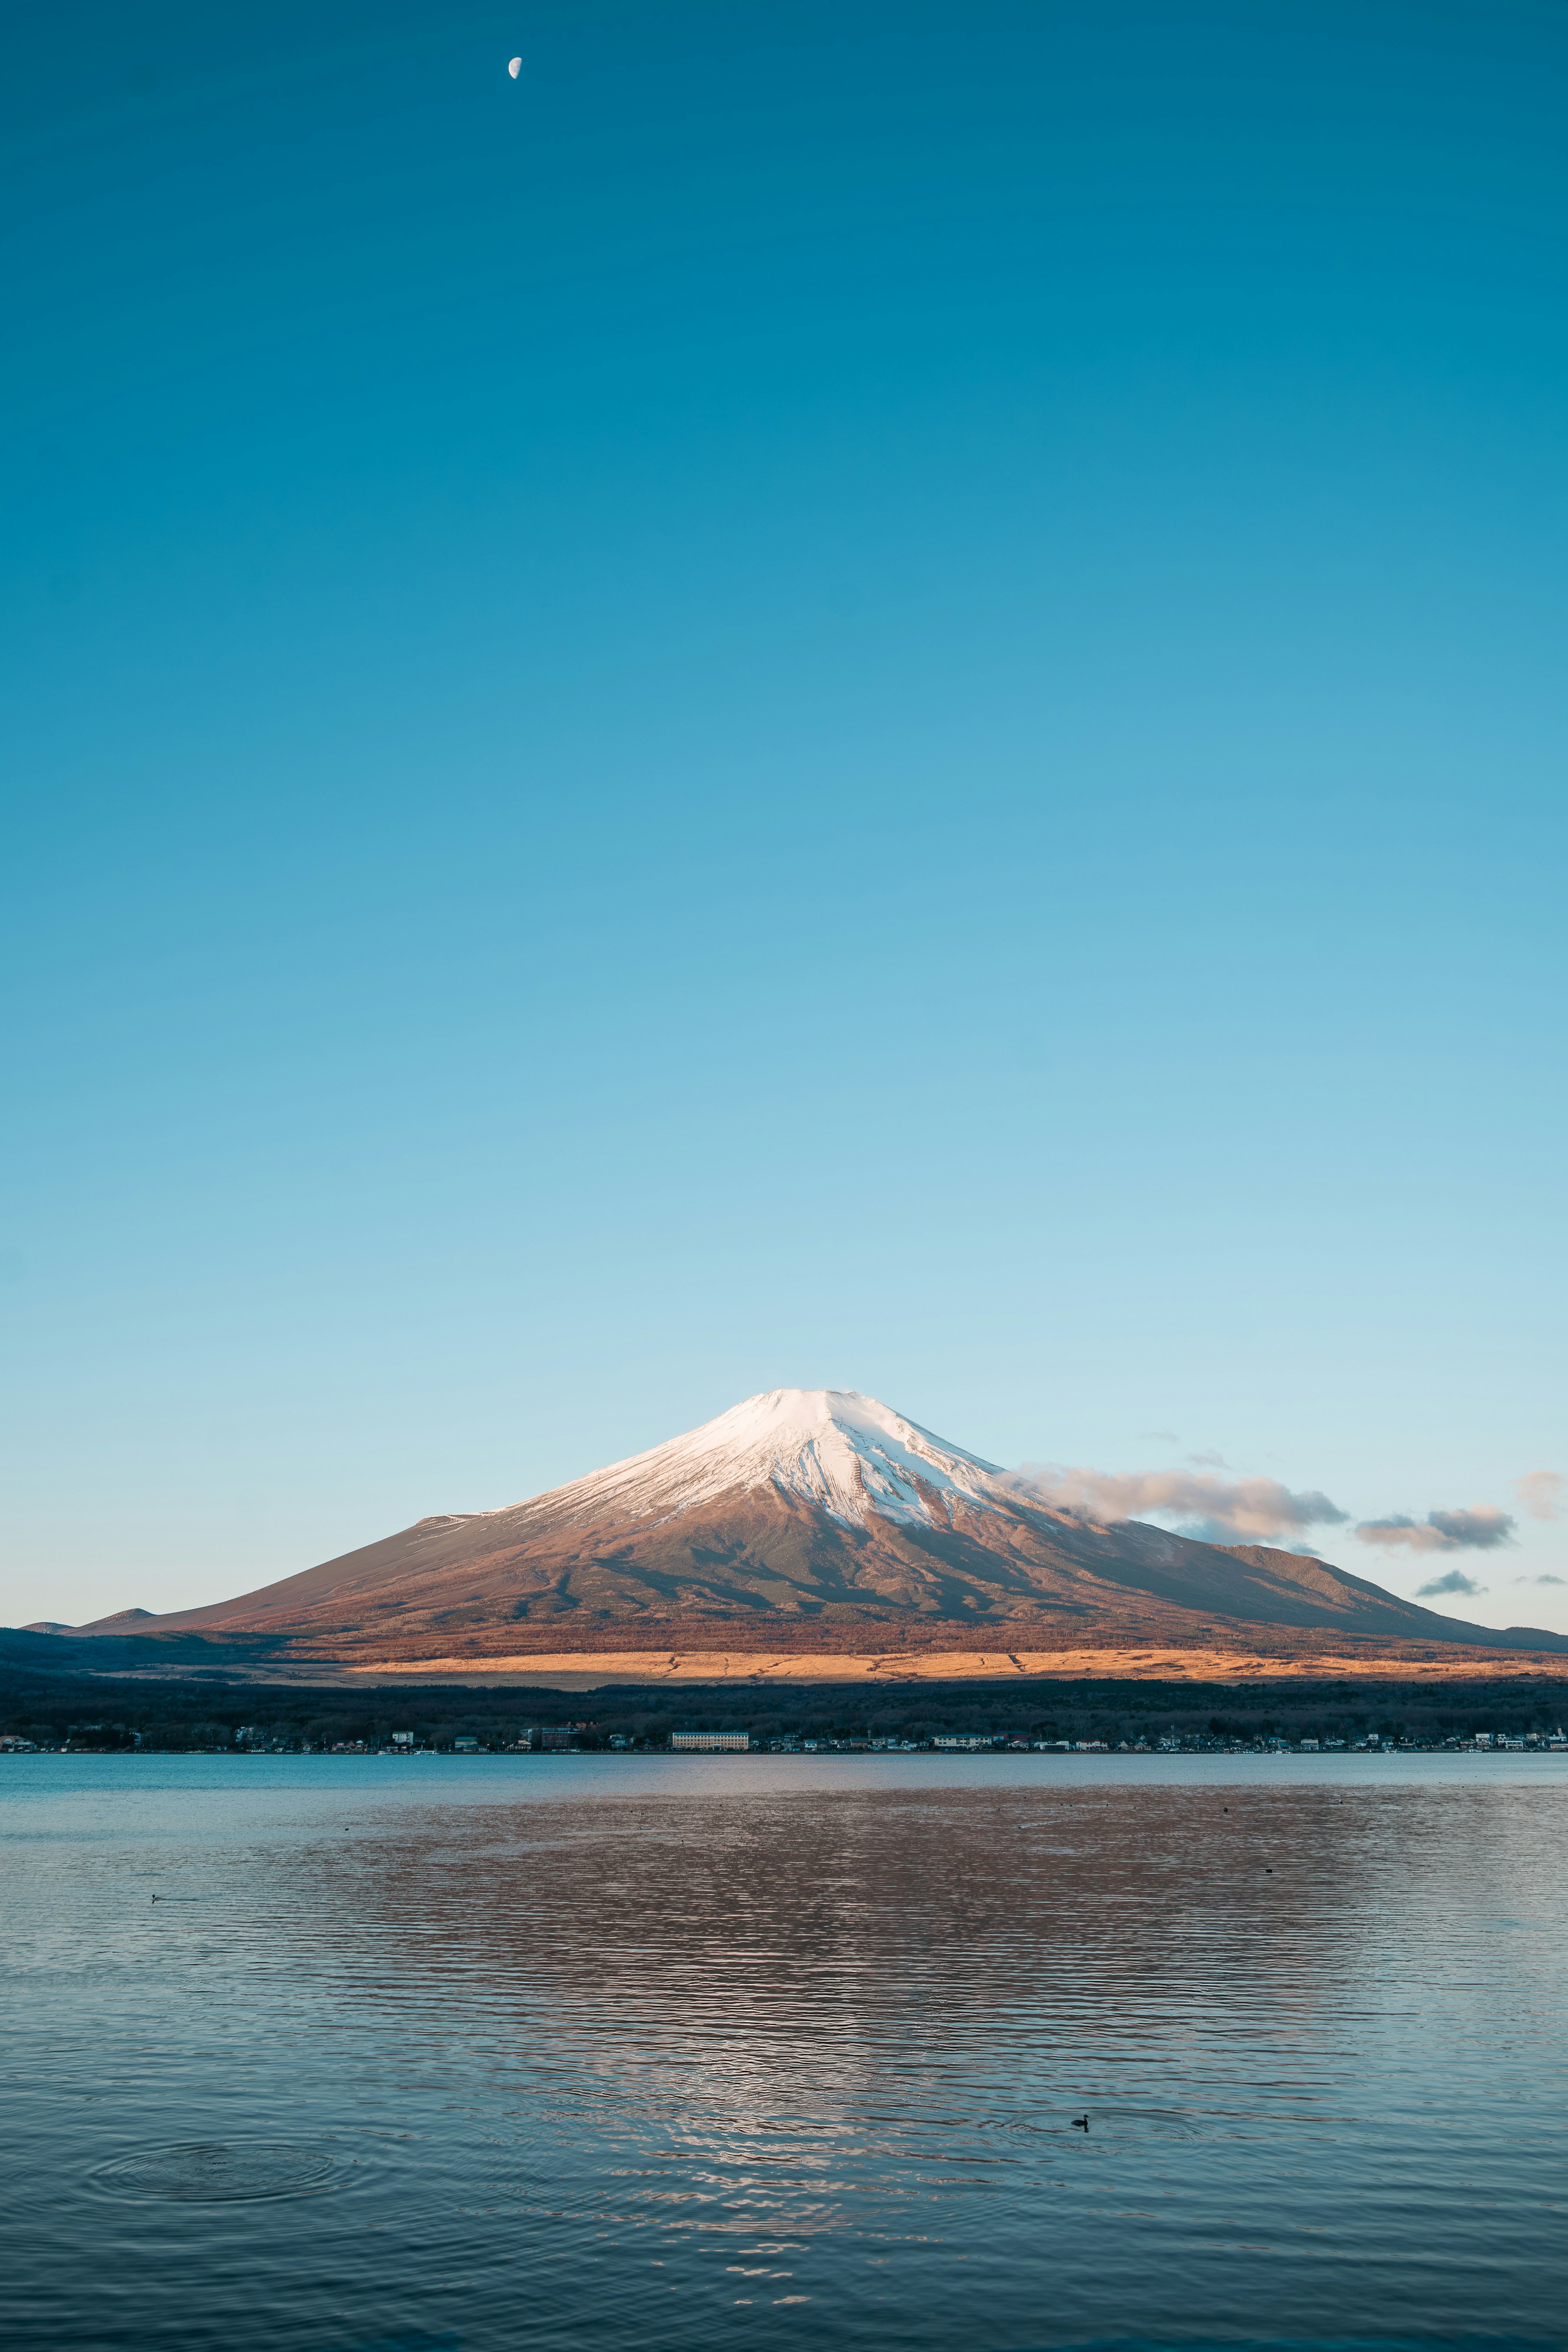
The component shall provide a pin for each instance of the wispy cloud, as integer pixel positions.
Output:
(1455, 1582)
(1216, 1510)
(1540, 1494)
(1481, 1530)
(1541, 1580)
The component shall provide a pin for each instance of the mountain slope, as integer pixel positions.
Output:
(800, 1507)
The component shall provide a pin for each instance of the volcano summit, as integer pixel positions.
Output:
(802, 1518)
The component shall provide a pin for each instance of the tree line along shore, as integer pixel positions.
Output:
(175, 1717)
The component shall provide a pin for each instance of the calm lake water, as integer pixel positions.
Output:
(458, 2055)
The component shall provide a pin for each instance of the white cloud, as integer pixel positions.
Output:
(1481, 1530)
(1539, 1492)
(1217, 1511)
(1455, 1582)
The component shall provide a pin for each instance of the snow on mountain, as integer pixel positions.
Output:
(844, 1452)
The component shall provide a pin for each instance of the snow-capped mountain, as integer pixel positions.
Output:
(800, 1512)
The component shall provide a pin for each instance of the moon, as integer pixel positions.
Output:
(514, 67)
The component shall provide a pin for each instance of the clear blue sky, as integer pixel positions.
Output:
(832, 695)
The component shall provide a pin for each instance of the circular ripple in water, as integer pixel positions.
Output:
(220, 2172)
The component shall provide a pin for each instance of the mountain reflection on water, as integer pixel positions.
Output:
(589, 2053)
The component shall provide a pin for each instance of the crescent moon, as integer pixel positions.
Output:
(515, 68)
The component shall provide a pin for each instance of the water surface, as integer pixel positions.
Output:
(688, 2053)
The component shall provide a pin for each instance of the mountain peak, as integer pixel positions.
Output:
(844, 1452)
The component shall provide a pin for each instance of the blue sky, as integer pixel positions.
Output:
(848, 694)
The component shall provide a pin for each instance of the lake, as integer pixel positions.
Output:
(457, 2055)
